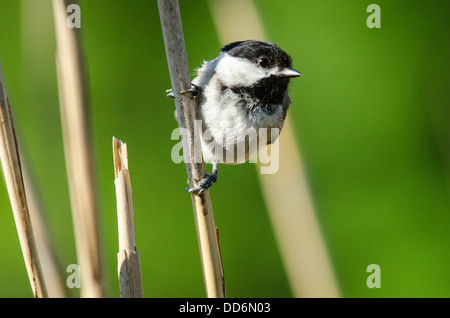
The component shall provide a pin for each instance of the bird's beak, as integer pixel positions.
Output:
(289, 72)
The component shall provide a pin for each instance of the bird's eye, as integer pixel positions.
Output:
(264, 62)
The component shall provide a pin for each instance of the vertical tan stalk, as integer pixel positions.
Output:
(49, 262)
(129, 268)
(286, 192)
(78, 150)
(12, 170)
(169, 12)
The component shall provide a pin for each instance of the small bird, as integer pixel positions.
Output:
(241, 91)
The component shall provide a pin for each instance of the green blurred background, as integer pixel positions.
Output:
(371, 115)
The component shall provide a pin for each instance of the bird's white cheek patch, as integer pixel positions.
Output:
(235, 71)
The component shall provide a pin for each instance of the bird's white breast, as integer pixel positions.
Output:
(224, 115)
(227, 121)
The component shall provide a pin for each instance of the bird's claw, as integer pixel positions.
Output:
(169, 93)
(195, 90)
(204, 184)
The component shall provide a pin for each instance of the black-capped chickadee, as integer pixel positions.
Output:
(238, 95)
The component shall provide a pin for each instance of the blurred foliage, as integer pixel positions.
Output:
(371, 115)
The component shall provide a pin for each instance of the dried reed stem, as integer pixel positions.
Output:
(10, 159)
(129, 268)
(169, 12)
(50, 265)
(78, 138)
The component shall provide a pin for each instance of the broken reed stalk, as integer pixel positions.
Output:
(129, 268)
(169, 13)
(78, 150)
(10, 159)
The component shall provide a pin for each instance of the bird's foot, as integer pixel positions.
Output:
(204, 184)
(169, 93)
(195, 90)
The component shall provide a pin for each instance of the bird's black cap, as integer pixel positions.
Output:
(254, 50)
